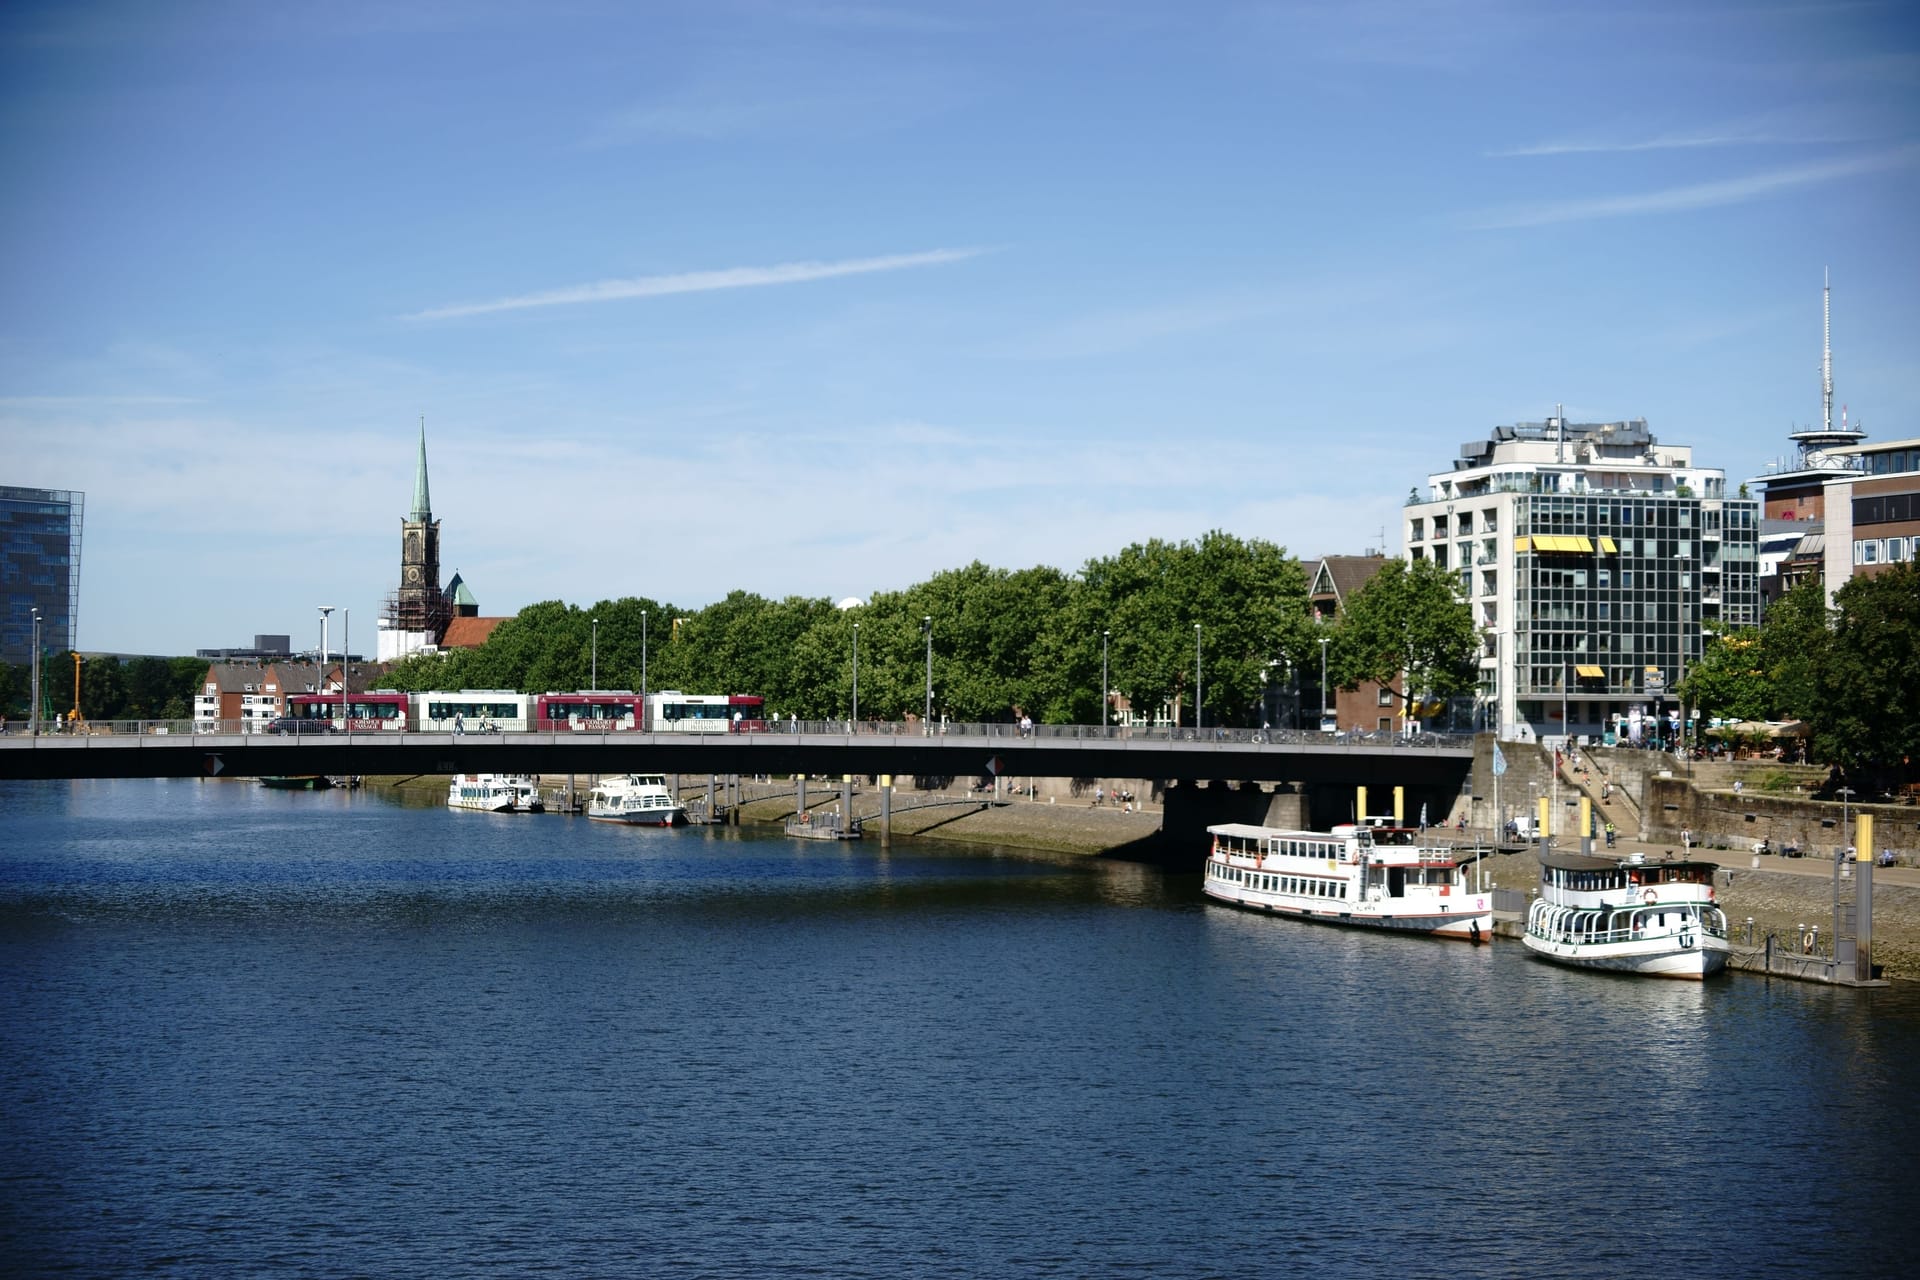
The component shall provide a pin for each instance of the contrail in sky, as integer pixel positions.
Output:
(699, 282)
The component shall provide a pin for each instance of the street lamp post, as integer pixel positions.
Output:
(926, 625)
(594, 671)
(1323, 682)
(1196, 676)
(320, 683)
(33, 713)
(346, 667)
(643, 671)
(1106, 693)
(856, 678)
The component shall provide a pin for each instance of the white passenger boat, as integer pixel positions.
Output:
(494, 792)
(638, 798)
(1345, 877)
(1628, 914)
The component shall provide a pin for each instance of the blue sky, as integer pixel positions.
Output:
(824, 298)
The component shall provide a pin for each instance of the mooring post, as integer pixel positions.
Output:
(800, 796)
(886, 808)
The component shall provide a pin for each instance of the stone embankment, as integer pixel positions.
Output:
(1785, 897)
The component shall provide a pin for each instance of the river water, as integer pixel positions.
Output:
(269, 1033)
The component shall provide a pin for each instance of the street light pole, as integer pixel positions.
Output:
(1323, 681)
(926, 625)
(346, 667)
(1106, 692)
(1196, 676)
(320, 684)
(643, 671)
(33, 713)
(856, 677)
(594, 676)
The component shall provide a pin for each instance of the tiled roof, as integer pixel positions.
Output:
(1341, 576)
(469, 633)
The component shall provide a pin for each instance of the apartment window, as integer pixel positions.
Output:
(1416, 530)
(1626, 579)
(1896, 549)
(1867, 552)
(1490, 521)
(1385, 696)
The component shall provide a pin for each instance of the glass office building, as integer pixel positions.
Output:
(39, 569)
(1594, 558)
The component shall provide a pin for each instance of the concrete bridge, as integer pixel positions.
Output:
(1291, 778)
(1062, 751)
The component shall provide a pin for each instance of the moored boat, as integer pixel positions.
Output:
(1343, 877)
(640, 799)
(487, 792)
(1629, 915)
(297, 782)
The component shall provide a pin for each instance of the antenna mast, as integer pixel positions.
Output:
(1826, 344)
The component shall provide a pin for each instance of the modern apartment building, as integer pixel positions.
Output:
(1873, 513)
(39, 569)
(1592, 556)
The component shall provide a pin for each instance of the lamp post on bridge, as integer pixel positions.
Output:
(856, 678)
(1323, 682)
(593, 677)
(33, 714)
(926, 625)
(643, 671)
(1106, 693)
(320, 681)
(1196, 678)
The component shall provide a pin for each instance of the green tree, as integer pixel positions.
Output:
(1248, 598)
(103, 688)
(1869, 681)
(1793, 646)
(1730, 679)
(1407, 630)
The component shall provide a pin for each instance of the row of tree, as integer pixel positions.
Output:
(1851, 672)
(1003, 642)
(139, 689)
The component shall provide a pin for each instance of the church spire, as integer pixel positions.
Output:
(422, 507)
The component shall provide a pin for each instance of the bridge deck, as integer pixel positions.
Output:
(1050, 751)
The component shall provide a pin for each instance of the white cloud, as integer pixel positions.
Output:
(699, 282)
(1703, 195)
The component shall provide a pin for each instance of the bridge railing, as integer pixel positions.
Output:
(16, 730)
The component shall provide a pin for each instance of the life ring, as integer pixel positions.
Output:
(1807, 941)
(806, 817)
(1650, 898)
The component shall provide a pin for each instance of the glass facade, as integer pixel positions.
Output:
(39, 569)
(1610, 588)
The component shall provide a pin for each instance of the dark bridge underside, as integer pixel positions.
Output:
(253, 755)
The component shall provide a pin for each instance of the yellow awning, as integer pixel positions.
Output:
(1606, 545)
(1581, 543)
(1561, 542)
(1590, 673)
(1522, 545)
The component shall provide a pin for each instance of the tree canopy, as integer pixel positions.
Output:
(1409, 621)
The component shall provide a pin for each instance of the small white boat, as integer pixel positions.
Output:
(494, 793)
(1343, 877)
(1629, 915)
(640, 799)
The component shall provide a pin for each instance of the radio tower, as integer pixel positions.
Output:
(1815, 442)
